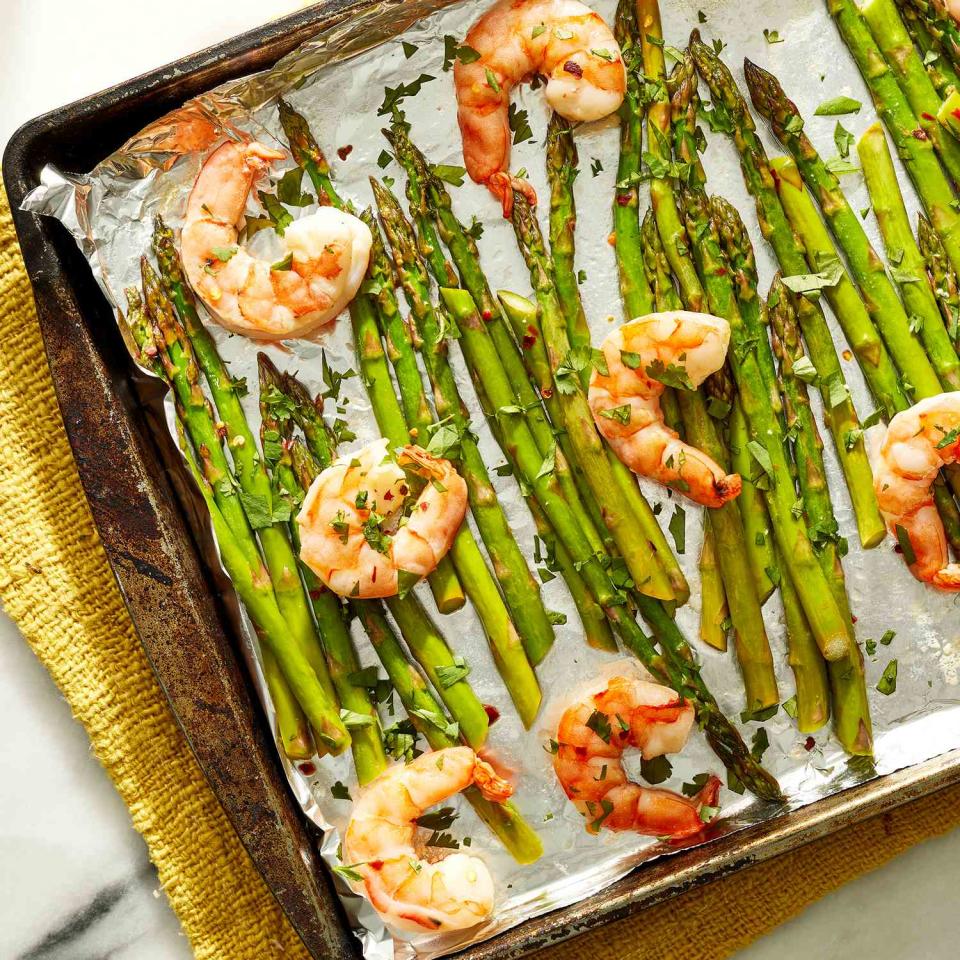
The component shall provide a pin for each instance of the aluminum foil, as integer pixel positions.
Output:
(337, 80)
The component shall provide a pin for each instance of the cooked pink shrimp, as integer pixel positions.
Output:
(354, 532)
(591, 738)
(918, 442)
(562, 40)
(327, 253)
(380, 844)
(677, 347)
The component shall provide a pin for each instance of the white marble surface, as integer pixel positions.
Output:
(75, 882)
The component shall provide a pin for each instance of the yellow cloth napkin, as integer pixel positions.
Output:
(56, 584)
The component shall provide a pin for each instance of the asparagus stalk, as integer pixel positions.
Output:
(257, 596)
(826, 620)
(276, 431)
(713, 600)
(725, 523)
(839, 413)
(292, 726)
(942, 74)
(870, 524)
(426, 643)
(851, 707)
(942, 277)
(447, 591)
(634, 289)
(881, 375)
(939, 22)
(484, 363)
(808, 667)
(427, 716)
(519, 588)
(903, 60)
(889, 389)
(562, 170)
(910, 269)
(250, 473)
(932, 185)
(635, 512)
(865, 264)
(677, 665)
(758, 537)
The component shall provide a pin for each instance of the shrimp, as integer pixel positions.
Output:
(354, 532)
(326, 253)
(562, 40)
(380, 844)
(591, 737)
(675, 347)
(918, 442)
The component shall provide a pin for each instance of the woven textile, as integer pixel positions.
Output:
(56, 584)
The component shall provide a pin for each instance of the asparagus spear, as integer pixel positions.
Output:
(808, 667)
(635, 511)
(677, 664)
(427, 716)
(851, 708)
(909, 267)
(466, 256)
(446, 588)
(942, 74)
(257, 596)
(484, 363)
(769, 443)
(196, 348)
(714, 612)
(562, 170)
(426, 643)
(725, 523)
(942, 277)
(865, 264)
(249, 471)
(932, 185)
(520, 590)
(634, 289)
(903, 60)
(939, 22)
(881, 375)
(292, 726)
(758, 536)
(839, 412)
(276, 430)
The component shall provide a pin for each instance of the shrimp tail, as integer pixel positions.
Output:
(948, 578)
(493, 787)
(502, 185)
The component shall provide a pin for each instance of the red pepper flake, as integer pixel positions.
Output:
(809, 744)
(345, 152)
(307, 769)
(897, 548)
(956, 114)
(530, 338)
(404, 489)
(623, 199)
(424, 505)
(929, 117)
(574, 68)
(493, 714)
(373, 576)
(547, 393)
(316, 594)
(721, 271)
(853, 619)
(487, 314)
(375, 864)
(388, 495)
(919, 134)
